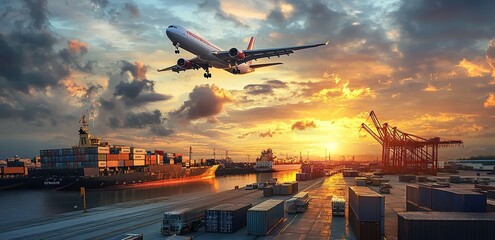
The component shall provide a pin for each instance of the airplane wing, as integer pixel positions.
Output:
(264, 53)
(196, 63)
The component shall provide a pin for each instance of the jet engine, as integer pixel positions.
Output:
(183, 63)
(236, 54)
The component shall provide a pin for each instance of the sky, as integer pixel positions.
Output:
(427, 67)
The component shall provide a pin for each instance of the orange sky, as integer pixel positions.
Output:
(405, 60)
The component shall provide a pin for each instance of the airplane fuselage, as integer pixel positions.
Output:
(203, 49)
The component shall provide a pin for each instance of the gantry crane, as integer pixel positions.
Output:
(404, 152)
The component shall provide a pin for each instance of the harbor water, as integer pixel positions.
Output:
(23, 205)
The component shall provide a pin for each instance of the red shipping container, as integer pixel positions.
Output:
(128, 163)
(123, 156)
(112, 157)
(160, 152)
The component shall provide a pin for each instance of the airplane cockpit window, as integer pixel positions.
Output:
(172, 26)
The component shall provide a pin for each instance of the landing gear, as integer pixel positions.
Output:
(207, 75)
(176, 48)
(236, 71)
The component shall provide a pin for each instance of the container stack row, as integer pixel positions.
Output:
(428, 198)
(226, 218)
(287, 188)
(366, 212)
(105, 157)
(445, 225)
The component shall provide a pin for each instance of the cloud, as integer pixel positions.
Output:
(490, 101)
(266, 88)
(303, 125)
(76, 46)
(268, 133)
(432, 88)
(473, 69)
(204, 101)
(132, 9)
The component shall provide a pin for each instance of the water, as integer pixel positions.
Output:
(21, 205)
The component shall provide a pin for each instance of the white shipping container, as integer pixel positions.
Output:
(126, 150)
(137, 157)
(138, 151)
(138, 162)
(104, 150)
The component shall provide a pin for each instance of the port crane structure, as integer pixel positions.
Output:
(407, 153)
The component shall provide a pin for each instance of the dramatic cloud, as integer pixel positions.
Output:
(490, 101)
(268, 133)
(204, 101)
(473, 69)
(303, 125)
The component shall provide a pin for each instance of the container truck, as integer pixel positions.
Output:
(338, 206)
(174, 222)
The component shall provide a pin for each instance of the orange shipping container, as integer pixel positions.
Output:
(102, 164)
(123, 156)
(138, 162)
(128, 163)
(122, 163)
(113, 163)
(112, 157)
(13, 170)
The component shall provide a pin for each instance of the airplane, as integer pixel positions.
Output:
(208, 55)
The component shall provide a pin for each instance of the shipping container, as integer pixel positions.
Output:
(360, 181)
(364, 230)
(102, 157)
(490, 205)
(112, 157)
(123, 156)
(138, 150)
(422, 178)
(368, 205)
(277, 189)
(138, 162)
(268, 191)
(490, 194)
(412, 193)
(128, 163)
(445, 225)
(262, 218)
(102, 164)
(226, 218)
(457, 200)
(407, 178)
(136, 157)
(112, 163)
(424, 197)
(411, 206)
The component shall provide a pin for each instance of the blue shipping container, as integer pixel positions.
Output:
(457, 200)
(262, 218)
(368, 205)
(412, 193)
(424, 196)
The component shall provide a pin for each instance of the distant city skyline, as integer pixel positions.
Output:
(427, 67)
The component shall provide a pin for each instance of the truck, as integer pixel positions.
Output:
(175, 222)
(338, 206)
(298, 203)
(385, 188)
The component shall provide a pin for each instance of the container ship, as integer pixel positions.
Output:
(94, 164)
(267, 162)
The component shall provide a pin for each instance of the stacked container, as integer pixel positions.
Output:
(445, 225)
(366, 211)
(429, 198)
(360, 181)
(407, 178)
(226, 218)
(268, 191)
(262, 218)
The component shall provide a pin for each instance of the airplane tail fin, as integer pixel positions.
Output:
(250, 47)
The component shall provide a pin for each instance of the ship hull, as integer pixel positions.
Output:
(161, 176)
